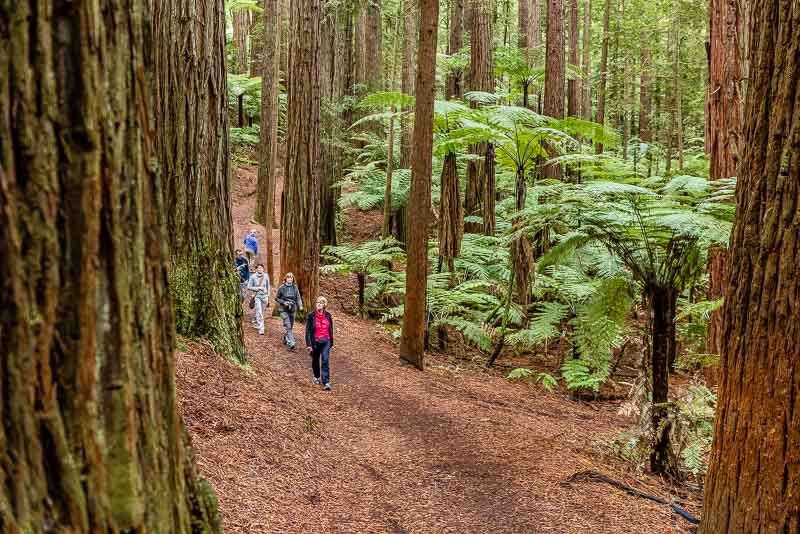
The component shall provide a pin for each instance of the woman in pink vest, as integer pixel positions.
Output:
(319, 339)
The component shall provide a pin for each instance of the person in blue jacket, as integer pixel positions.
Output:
(251, 245)
(243, 268)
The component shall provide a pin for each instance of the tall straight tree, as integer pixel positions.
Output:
(455, 79)
(412, 340)
(481, 78)
(554, 70)
(573, 84)
(723, 128)
(191, 126)
(408, 75)
(91, 439)
(242, 20)
(300, 218)
(586, 95)
(753, 482)
(374, 45)
(601, 92)
(524, 26)
(645, 97)
(268, 156)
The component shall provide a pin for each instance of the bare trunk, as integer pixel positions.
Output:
(91, 439)
(450, 216)
(554, 71)
(601, 93)
(412, 340)
(753, 482)
(587, 60)
(521, 250)
(241, 28)
(387, 198)
(374, 40)
(573, 89)
(300, 216)
(663, 303)
(455, 80)
(409, 73)
(535, 31)
(268, 156)
(191, 125)
(645, 100)
(489, 193)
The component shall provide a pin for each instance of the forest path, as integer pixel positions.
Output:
(392, 449)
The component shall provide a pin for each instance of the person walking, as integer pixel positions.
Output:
(243, 268)
(319, 340)
(251, 245)
(259, 286)
(289, 302)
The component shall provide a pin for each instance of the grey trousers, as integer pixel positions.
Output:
(288, 327)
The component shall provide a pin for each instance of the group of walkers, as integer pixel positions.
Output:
(319, 323)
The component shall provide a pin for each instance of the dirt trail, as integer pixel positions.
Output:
(392, 449)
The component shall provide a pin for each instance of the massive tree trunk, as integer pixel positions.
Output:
(300, 217)
(408, 76)
(587, 61)
(191, 125)
(645, 100)
(535, 30)
(723, 127)
(481, 78)
(753, 482)
(524, 41)
(573, 85)
(554, 70)
(601, 93)
(412, 340)
(331, 92)
(374, 44)
(91, 439)
(450, 216)
(268, 149)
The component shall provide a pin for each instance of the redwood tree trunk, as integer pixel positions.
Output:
(450, 216)
(300, 216)
(645, 100)
(554, 70)
(374, 43)
(601, 93)
(412, 340)
(481, 78)
(241, 28)
(91, 439)
(409, 73)
(753, 482)
(191, 141)
(455, 81)
(573, 89)
(587, 61)
(268, 149)
(717, 257)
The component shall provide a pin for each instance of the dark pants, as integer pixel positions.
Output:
(321, 349)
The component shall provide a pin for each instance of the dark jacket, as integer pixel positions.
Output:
(289, 293)
(243, 266)
(311, 327)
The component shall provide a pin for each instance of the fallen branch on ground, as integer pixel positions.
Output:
(594, 476)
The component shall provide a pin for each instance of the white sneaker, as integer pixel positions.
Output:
(315, 381)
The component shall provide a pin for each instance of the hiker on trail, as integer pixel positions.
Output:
(243, 268)
(319, 339)
(289, 301)
(251, 245)
(259, 286)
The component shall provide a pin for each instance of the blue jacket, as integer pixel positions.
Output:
(251, 243)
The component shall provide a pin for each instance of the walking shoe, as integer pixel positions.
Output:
(327, 386)
(261, 332)
(315, 380)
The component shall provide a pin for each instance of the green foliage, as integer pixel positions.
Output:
(547, 380)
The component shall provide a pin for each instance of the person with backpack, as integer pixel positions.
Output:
(251, 245)
(319, 340)
(289, 302)
(259, 287)
(243, 268)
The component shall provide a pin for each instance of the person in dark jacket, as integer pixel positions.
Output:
(319, 339)
(289, 302)
(243, 268)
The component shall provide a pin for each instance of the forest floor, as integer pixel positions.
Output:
(454, 449)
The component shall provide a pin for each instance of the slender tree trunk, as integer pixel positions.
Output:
(374, 43)
(663, 303)
(676, 69)
(554, 70)
(573, 88)
(409, 73)
(535, 30)
(450, 217)
(241, 28)
(300, 216)
(645, 100)
(412, 340)
(257, 38)
(717, 260)
(191, 125)
(285, 28)
(587, 60)
(361, 53)
(330, 150)
(753, 482)
(387, 198)
(521, 250)
(627, 95)
(489, 193)
(481, 78)
(91, 439)
(268, 156)
(524, 40)
(601, 93)
(455, 80)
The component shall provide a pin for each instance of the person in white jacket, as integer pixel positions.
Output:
(258, 285)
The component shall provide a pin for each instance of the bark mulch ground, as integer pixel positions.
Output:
(393, 450)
